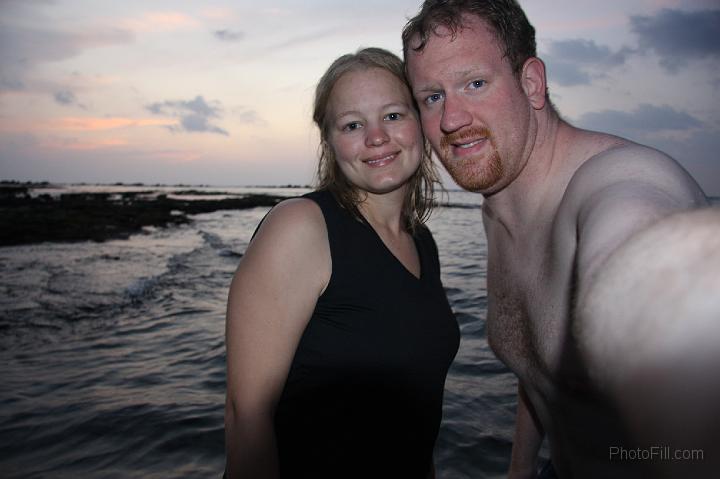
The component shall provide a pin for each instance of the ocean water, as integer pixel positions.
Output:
(113, 357)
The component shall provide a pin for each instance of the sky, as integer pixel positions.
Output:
(220, 92)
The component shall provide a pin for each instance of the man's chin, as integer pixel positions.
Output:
(473, 187)
(474, 176)
(471, 180)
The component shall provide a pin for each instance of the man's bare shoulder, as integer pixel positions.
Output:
(629, 169)
(618, 191)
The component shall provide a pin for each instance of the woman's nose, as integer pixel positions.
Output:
(376, 136)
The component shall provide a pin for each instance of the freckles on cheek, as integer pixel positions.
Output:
(411, 135)
(341, 148)
(429, 127)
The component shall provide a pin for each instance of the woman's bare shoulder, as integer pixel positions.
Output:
(295, 220)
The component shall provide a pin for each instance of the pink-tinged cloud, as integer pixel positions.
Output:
(73, 144)
(160, 21)
(177, 155)
(81, 124)
(217, 13)
(94, 124)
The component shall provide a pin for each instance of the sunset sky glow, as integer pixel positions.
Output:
(220, 92)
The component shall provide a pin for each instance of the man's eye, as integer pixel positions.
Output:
(392, 116)
(477, 83)
(435, 97)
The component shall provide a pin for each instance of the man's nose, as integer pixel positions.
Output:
(455, 116)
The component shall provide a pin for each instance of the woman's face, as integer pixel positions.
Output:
(374, 130)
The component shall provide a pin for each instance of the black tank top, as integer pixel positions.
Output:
(363, 397)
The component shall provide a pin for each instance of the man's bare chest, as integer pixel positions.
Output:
(528, 308)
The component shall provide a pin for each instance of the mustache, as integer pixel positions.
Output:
(467, 134)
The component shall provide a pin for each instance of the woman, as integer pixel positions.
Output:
(339, 334)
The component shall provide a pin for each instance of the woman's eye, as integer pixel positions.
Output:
(477, 83)
(353, 125)
(393, 116)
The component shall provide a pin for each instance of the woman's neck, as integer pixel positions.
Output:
(384, 211)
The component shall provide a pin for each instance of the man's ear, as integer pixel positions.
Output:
(533, 82)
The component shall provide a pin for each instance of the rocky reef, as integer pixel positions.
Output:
(34, 218)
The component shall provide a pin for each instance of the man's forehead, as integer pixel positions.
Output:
(469, 25)
(472, 34)
(441, 31)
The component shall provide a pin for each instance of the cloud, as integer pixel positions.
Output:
(102, 123)
(247, 116)
(30, 46)
(75, 144)
(576, 61)
(692, 143)
(10, 82)
(302, 39)
(197, 122)
(217, 13)
(675, 36)
(229, 35)
(193, 115)
(566, 74)
(586, 52)
(159, 21)
(644, 120)
(22, 48)
(698, 154)
(83, 124)
(678, 36)
(67, 98)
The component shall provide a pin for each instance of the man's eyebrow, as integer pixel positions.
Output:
(428, 87)
(468, 72)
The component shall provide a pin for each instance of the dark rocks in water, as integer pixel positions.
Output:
(13, 190)
(100, 216)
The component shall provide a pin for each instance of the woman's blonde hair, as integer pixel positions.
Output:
(419, 198)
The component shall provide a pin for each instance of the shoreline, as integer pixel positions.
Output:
(27, 218)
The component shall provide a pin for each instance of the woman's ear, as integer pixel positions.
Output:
(533, 82)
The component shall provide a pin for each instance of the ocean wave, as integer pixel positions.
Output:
(141, 288)
(216, 243)
(137, 390)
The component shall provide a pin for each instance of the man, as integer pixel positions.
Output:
(559, 202)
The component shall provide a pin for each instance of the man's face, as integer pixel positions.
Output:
(473, 109)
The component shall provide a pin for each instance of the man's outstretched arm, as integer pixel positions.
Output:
(647, 303)
(527, 440)
(649, 324)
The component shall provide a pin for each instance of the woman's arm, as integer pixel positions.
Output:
(431, 472)
(272, 296)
